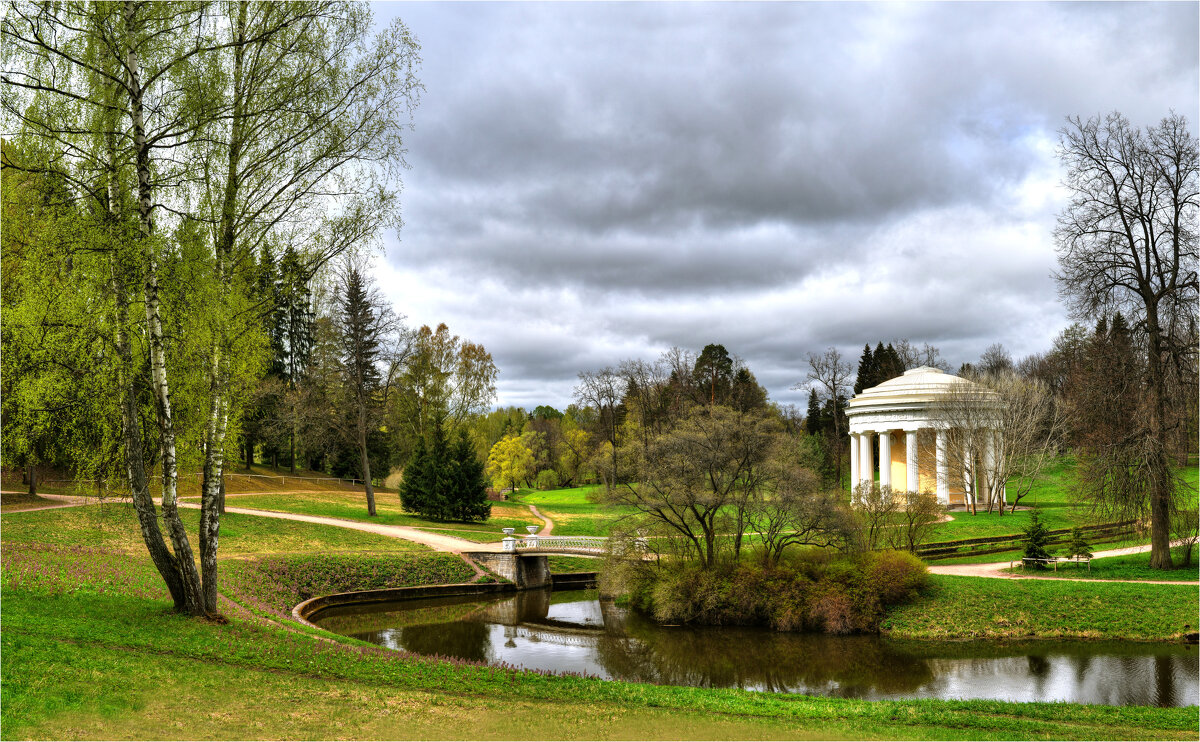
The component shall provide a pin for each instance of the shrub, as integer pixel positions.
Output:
(1078, 545)
(547, 479)
(1036, 538)
(811, 591)
(896, 576)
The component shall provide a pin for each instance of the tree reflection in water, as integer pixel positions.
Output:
(572, 631)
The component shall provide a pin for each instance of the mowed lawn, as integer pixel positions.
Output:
(353, 506)
(1127, 567)
(955, 608)
(106, 659)
(575, 511)
(1053, 497)
(113, 526)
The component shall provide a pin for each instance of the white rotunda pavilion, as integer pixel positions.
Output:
(900, 414)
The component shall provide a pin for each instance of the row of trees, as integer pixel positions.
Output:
(162, 152)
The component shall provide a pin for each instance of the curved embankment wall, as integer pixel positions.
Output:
(303, 611)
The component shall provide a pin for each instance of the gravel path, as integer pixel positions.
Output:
(995, 569)
(435, 541)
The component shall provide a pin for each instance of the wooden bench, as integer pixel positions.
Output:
(1054, 561)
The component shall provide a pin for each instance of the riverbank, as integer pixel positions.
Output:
(92, 650)
(955, 608)
(87, 665)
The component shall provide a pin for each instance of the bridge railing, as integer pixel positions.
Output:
(586, 544)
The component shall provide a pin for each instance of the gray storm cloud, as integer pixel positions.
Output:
(598, 181)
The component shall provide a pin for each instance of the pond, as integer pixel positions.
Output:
(575, 631)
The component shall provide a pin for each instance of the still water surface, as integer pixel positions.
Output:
(574, 631)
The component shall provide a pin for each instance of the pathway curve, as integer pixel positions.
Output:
(996, 569)
(436, 541)
(440, 542)
(549, 523)
(64, 501)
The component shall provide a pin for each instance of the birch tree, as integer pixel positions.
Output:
(259, 121)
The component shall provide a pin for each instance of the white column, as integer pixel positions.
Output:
(885, 459)
(910, 458)
(855, 475)
(866, 459)
(943, 473)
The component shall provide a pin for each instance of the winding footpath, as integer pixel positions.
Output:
(996, 570)
(549, 528)
(454, 545)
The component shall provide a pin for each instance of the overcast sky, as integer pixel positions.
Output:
(596, 182)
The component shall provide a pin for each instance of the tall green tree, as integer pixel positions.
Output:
(713, 373)
(366, 325)
(865, 379)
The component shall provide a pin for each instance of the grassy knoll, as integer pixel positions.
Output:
(1128, 567)
(985, 608)
(83, 664)
(114, 526)
(573, 513)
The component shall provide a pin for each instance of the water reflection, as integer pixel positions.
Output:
(576, 632)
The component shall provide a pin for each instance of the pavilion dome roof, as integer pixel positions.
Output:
(915, 386)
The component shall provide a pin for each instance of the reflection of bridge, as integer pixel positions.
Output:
(557, 636)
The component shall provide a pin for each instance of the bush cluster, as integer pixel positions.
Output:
(816, 591)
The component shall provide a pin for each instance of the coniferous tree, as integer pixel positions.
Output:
(812, 419)
(468, 485)
(713, 373)
(364, 324)
(866, 370)
(417, 482)
(1078, 546)
(1036, 538)
(888, 363)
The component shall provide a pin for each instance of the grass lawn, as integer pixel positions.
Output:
(353, 506)
(1128, 567)
(986, 608)
(114, 526)
(117, 664)
(563, 564)
(571, 510)
(1053, 497)
(91, 650)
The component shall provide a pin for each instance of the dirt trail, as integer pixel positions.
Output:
(996, 569)
(549, 523)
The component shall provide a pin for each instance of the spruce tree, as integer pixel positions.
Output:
(1078, 546)
(866, 370)
(1036, 538)
(812, 420)
(417, 481)
(438, 498)
(468, 485)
